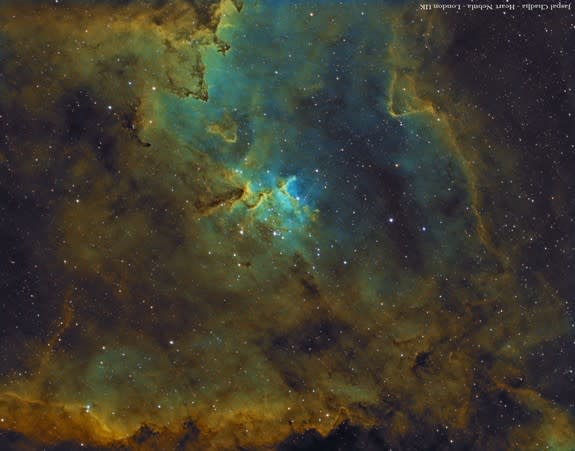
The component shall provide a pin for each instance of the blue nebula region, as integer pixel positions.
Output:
(308, 99)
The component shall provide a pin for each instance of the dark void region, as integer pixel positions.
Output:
(519, 71)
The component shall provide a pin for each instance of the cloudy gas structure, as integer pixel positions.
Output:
(285, 225)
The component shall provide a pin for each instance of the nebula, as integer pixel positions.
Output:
(285, 225)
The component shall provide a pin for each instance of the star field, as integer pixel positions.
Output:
(285, 225)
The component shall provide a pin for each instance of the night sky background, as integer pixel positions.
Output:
(291, 225)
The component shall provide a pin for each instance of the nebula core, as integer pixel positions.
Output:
(291, 225)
